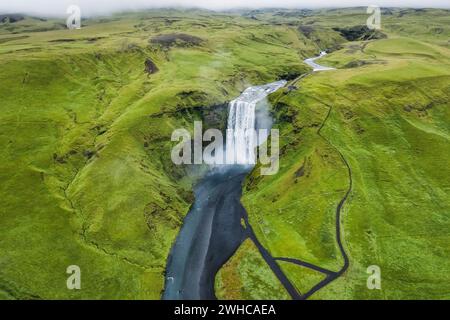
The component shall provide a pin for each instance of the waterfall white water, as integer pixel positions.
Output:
(241, 135)
(212, 230)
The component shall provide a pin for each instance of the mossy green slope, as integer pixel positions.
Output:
(247, 277)
(389, 120)
(87, 179)
(86, 173)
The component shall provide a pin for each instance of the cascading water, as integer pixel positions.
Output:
(212, 230)
(241, 139)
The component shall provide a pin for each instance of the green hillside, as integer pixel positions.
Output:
(385, 113)
(87, 180)
(86, 170)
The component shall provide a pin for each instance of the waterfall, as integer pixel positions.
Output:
(241, 134)
(212, 230)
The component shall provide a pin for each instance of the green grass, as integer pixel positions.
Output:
(390, 121)
(247, 277)
(86, 171)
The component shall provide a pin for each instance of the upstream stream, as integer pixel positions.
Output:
(213, 230)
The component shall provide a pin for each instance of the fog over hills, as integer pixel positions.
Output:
(89, 7)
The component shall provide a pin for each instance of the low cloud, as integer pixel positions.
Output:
(99, 7)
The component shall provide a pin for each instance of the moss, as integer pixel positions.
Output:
(86, 171)
(247, 277)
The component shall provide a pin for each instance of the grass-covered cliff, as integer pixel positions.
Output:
(85, 124)
(385, 113)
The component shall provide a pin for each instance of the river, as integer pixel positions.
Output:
(213, 230)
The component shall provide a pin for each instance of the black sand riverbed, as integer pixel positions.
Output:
(198, 252)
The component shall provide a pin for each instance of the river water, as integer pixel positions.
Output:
(212, 230)
(317, 67)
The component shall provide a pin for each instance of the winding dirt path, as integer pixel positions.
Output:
(338, 222)
(330, 275)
